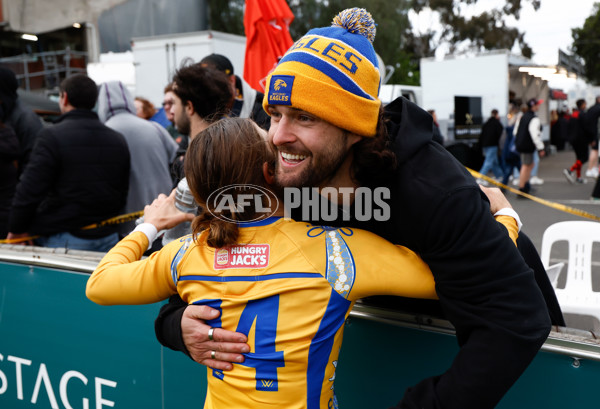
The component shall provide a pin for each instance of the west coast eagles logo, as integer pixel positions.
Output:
(278, 84)
(280, 89)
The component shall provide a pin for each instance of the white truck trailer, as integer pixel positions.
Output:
(464, 90)
(157, 58)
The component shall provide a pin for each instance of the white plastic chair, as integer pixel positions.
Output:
(577, 297)
(553, 272)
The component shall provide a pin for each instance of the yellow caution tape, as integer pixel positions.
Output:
(133, 216)
(114, 220)
(553, 205)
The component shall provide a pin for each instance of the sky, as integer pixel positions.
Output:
(546, 30)
(549, 28)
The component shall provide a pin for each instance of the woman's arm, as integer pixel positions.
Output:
(122, 278)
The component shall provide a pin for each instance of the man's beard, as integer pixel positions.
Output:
(321, 170)
(183, 125)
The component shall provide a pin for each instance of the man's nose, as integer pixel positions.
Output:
(282, 132)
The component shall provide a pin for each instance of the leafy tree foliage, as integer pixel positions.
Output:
(586, 45)
(485, 31)
(396, 42)
(226, 16)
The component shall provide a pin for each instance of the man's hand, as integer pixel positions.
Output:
(163, 214)
(18, 239)
(496, 197)
(228, 346)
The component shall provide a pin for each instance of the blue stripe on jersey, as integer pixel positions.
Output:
(341, 270)
(275, 276)
(330, 70)
(321, 345)
(215, 304)
(187, 240)
(264, 222)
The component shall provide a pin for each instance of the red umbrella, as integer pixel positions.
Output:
(266, 24)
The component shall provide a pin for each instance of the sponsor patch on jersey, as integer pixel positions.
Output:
(242, 256)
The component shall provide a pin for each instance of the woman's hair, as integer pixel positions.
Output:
(148, 109)
(226, 157)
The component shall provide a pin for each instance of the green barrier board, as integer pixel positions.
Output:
(58, 350)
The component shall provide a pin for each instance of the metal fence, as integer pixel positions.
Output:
(45, 70)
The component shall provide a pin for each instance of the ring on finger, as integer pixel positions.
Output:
(213, 354)
(211, 331)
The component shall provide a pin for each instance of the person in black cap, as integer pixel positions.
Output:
(528, 139)
(16, 115)
(248, 101)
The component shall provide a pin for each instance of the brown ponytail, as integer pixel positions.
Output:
(229, 152)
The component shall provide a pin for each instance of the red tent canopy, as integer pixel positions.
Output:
(266, 24)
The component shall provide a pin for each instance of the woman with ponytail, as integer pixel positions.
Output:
(289, 286)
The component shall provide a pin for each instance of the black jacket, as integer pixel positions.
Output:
(9, 155)
(491, 133)
(78, 174)
(485, 288)
(523, 141)
(590, 123)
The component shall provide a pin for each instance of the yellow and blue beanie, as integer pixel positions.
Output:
(332, 72)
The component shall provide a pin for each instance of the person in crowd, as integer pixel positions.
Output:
(168, 100)
(323, 269)
(78, 176)
(489, 140)
(248, 101)
(9, 157)
(559, 129)
(437, 134)
(577, 139)
(144, 108)
(201, 96)
(329, 130)
(511, 159)
(528, 139)
(590, 126)
(151, 148)
(18, 116)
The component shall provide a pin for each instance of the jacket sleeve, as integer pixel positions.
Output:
(536, 133)
(490, 296)
(167, 325)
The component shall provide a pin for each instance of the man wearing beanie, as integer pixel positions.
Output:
(328, 129)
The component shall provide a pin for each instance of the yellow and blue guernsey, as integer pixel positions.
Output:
(288, 286)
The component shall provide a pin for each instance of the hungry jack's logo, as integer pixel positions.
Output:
(280, 89)
(242, 256)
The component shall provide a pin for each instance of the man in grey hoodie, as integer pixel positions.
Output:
(151, 148)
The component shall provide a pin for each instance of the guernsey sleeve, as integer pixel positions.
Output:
(399, 271)
(122, 278)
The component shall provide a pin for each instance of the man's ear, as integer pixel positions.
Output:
(269, 173)
(189, 108)
(353, 139)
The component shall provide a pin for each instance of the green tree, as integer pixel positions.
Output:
(392, 28)
(226, 16)
(485, 31)
(586, 45)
